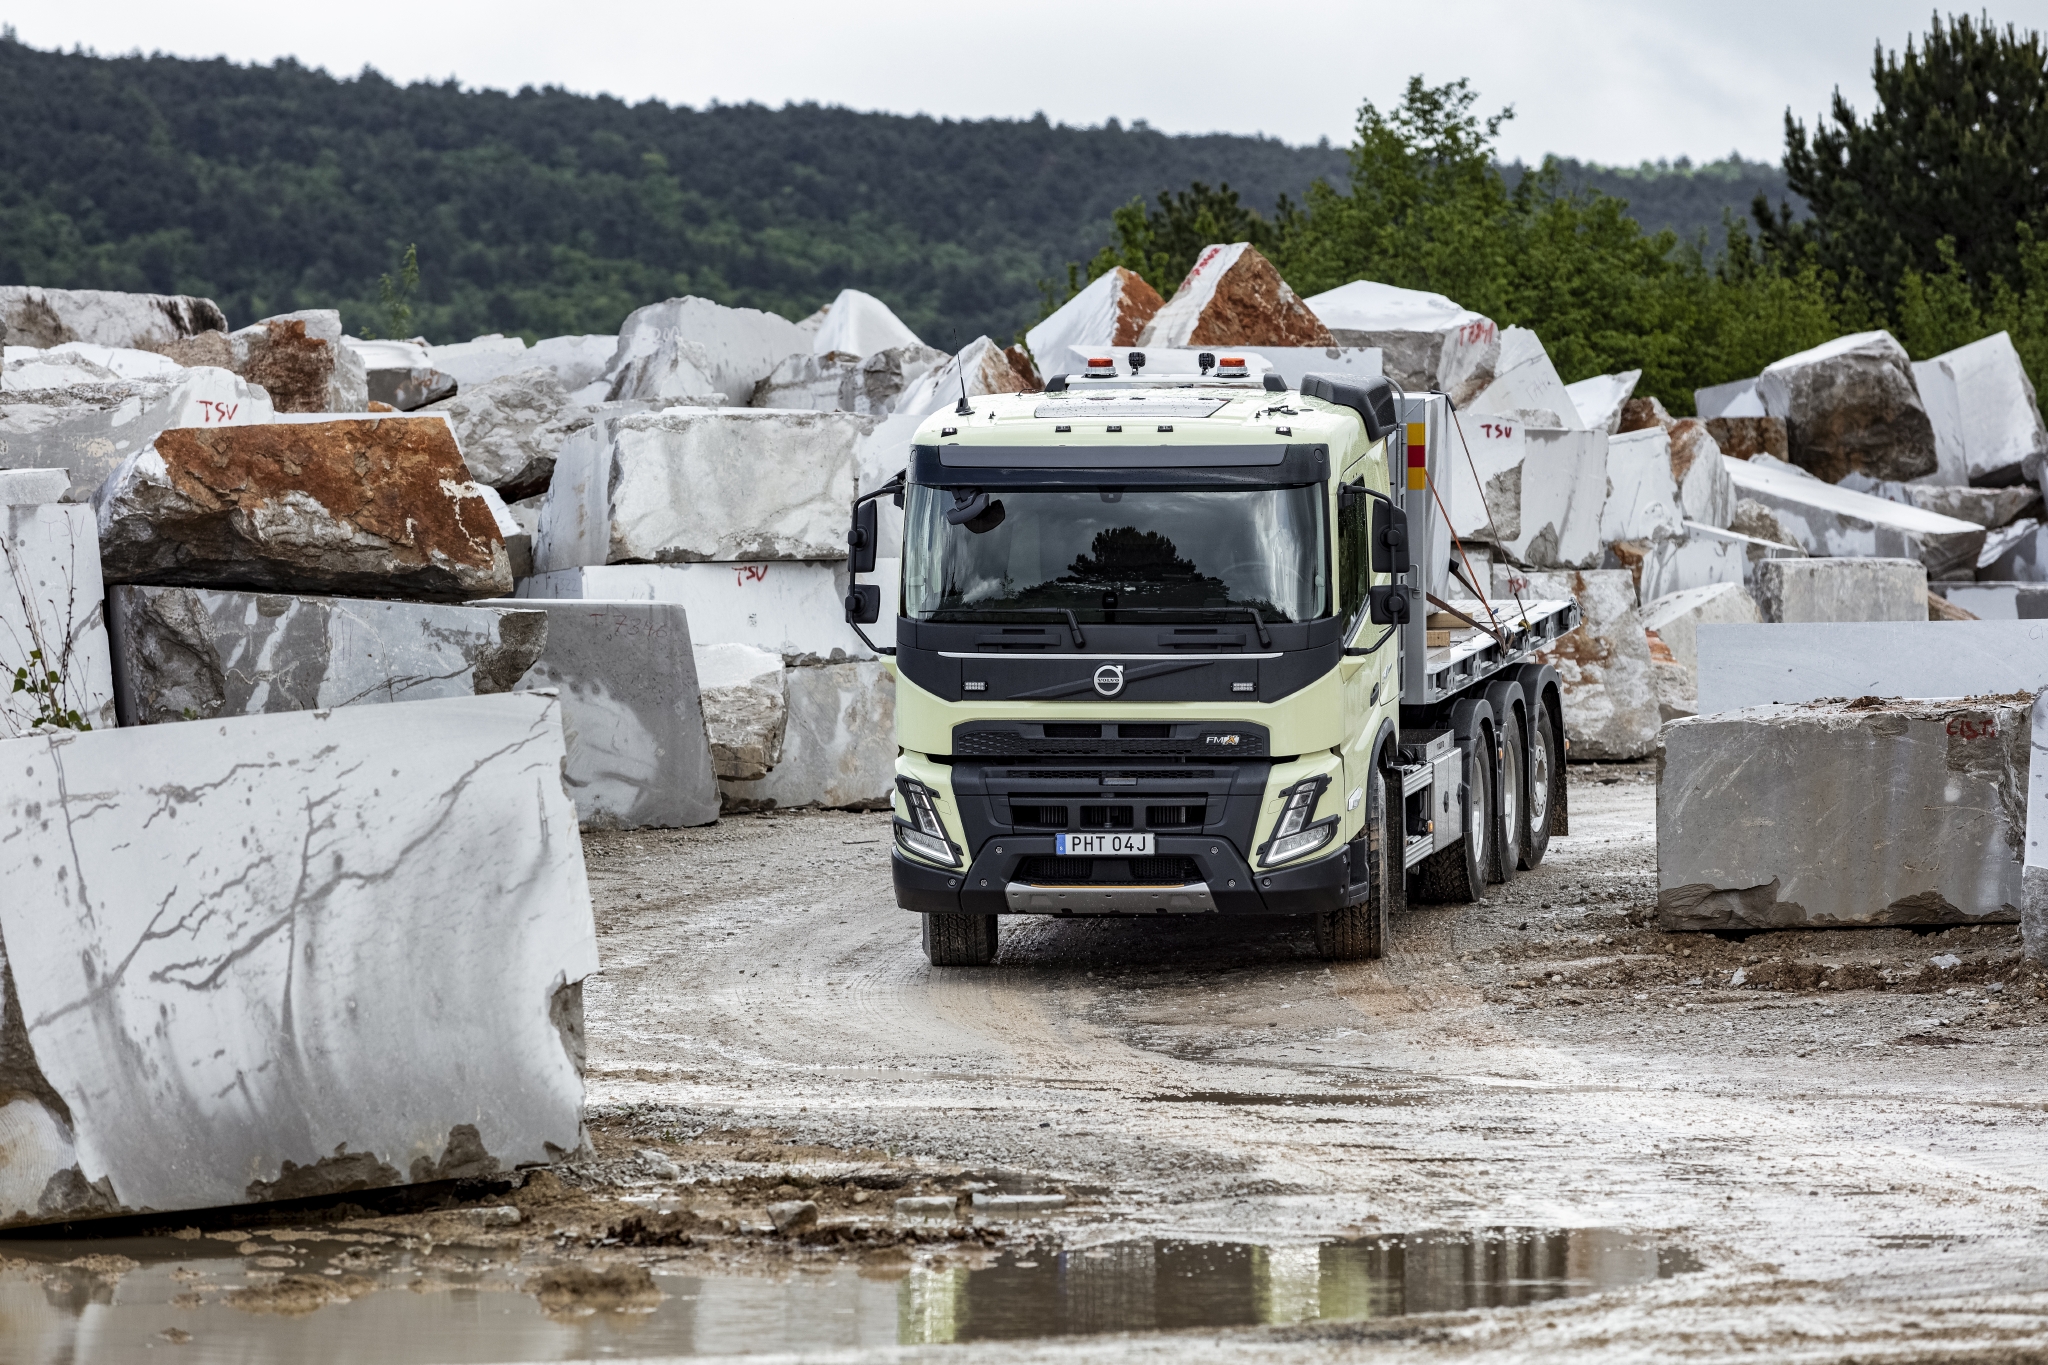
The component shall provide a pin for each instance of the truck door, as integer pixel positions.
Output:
(1365, 678)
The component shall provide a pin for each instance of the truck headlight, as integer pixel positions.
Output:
(1293, 834)
(922, 834)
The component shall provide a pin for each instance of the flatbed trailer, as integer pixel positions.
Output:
(1192, 641)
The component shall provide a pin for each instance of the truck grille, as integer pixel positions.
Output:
(1109, 871)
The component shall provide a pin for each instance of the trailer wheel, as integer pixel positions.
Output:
(960, 940)
(1511, 831)
(1457, 875)
(1358, 933)
(1543, 770)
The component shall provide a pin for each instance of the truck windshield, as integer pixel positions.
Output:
(1098, 552)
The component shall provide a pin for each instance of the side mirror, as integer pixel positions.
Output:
(861, 540)
(864, 601)
(1387, 604)
(1389, 540)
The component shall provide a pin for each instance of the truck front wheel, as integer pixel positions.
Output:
(1358, 933)
(957, 940)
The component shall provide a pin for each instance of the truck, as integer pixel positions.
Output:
(1187, 638)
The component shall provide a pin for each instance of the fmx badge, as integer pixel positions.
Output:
(1109, 679)
(1231, 740)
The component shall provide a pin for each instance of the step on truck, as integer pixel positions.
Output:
(1185, 639)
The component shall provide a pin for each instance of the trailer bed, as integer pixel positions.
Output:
(1472, 656)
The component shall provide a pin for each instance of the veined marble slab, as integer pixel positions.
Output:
(288, 955)
(1757, 665)
(52, 600)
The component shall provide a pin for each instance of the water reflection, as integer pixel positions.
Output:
(455, 1306)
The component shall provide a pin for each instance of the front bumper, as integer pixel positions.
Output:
(1226, 885)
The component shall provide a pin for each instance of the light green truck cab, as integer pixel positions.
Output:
(1147, 664)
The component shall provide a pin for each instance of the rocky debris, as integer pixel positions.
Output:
(690, 348)
(1757, 665)
(1756, 807)
(793, 1215)
(791, 609)
(1425, 340)
(1545, 493)
(1831, 521)
(1738, 400)
(1987, 426)
(637, 756)
(983, 366)
(1598, 401)
(838, 747)
(33, 316)
(1526, 385)
(1643, 414)
(1112, 312)
(1234, 297)
(1742, 437)
(1939, 608)
(859, 324)
(1851, 404)
(746, 707)
(63, 411)
(2034, 859)
(399, 373)
(512, 427)
(299, 359)
(202, 653)
(1642, 497)
(368, 507)
(1706, 495)
(228, 1063)
(1610, 697)
(51, 603)
(878, 384)
(691, 485)
(1796, 590)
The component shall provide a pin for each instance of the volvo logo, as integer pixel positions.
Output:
(1109, 679)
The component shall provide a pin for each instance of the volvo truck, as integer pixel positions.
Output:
(1187, 639)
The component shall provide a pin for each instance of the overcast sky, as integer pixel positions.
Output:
(1616, 81)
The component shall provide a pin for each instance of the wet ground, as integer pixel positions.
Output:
(1541, 1127)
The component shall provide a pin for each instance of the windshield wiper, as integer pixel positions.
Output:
(1080, 640)
(1265, 640)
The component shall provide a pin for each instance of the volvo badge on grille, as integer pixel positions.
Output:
(1109, 679)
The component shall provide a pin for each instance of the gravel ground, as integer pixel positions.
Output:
(1841, 1130)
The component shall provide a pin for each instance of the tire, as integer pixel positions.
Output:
(960, 940)
(1358, 933)
(1544, 770)
(1457, 875)
(1511, 827)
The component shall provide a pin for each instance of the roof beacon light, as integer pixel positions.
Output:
(1101, 367)
(1232, 367)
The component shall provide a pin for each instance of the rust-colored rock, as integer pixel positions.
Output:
(293, 366)
(366, 507)
(1743, 437)
(1026, 372)
(1112, 311)
(1234, 297)
(1640, 414)
(1136, 304)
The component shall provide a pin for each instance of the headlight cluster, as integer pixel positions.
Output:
(1293, 835)
(922, 834)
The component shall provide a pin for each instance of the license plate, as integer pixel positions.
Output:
(1103, 845)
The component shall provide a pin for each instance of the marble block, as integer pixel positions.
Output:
(1838, 813)
(281, 956)
(52, 601)
(199, 653)
(1756, 665)
(2034, 865)
(838, 744)
(638, 757)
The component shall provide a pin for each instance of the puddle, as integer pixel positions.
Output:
(320, 1301)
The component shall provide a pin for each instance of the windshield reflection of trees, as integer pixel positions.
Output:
(1124, 569)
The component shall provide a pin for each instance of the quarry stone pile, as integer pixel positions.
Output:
(1851, 404)
(1755, 808)
(45, 318)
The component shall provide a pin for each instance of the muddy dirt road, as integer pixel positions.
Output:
(1811, 1144)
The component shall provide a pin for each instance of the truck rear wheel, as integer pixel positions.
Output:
(1457, 875)
(1358, 933)
(1511, 832)
(1543, 770)
(958, 940)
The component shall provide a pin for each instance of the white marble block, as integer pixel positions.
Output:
(291, 955)
(838, 745)
(2034, 868)
(52, 602)
(1828, 520)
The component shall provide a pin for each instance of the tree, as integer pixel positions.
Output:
(1953, 152)
(395, 296)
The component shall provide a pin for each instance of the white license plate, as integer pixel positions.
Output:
(1104, 845)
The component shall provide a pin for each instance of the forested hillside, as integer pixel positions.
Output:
(278, 187)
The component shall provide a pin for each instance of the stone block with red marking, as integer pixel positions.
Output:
(1234, 297)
